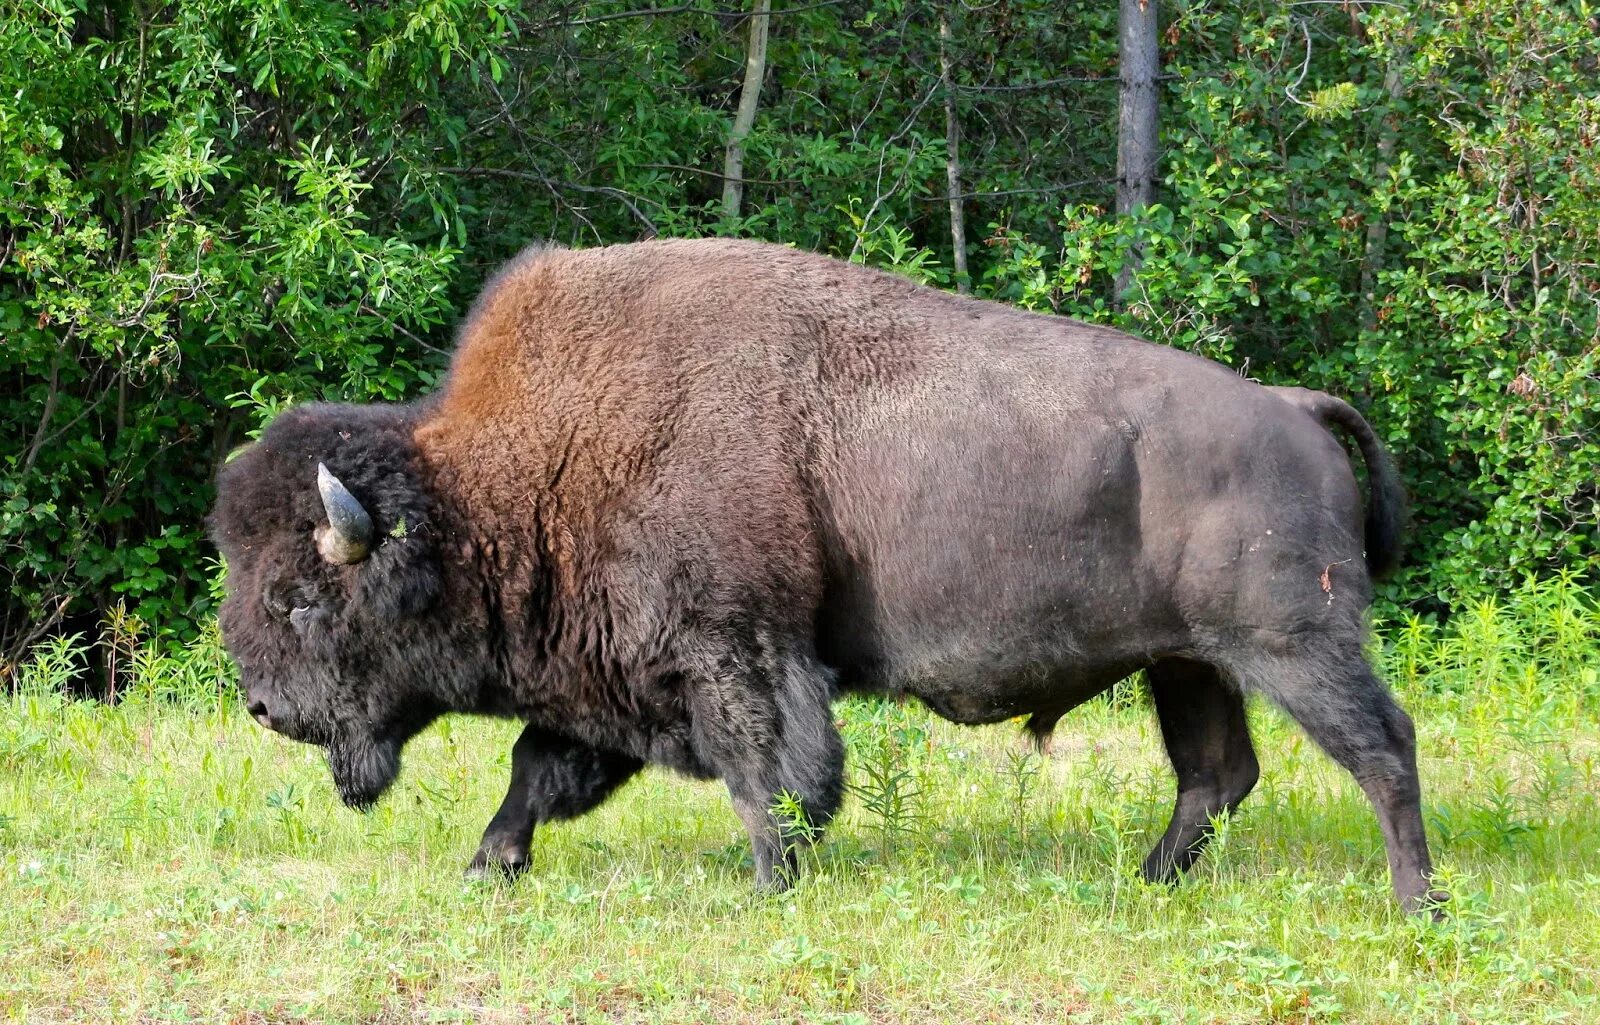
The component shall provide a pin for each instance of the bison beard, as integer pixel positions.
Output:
(363, 769)
(673, 497)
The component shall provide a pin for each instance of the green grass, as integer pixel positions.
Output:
(165, 859)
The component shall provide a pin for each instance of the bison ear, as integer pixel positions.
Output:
(348, 536)
(402, 583)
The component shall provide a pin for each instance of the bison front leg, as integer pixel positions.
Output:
(774, 744)
(552, 778)
(1207, 738)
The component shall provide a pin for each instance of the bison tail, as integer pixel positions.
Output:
(1386, 498)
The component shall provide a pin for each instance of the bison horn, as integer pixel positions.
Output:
(348, 536)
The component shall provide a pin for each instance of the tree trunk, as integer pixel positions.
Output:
(952, 163)
(755, 69)
(1138, 152)
(1378, 224)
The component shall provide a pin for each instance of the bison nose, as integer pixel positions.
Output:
(258, 710)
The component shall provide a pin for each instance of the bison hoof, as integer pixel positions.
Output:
(775, 883)
(1435, 904)
(496, 868)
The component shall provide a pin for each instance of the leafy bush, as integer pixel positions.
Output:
(185, 221)
(211, 209)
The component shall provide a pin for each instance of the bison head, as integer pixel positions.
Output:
(333, 584)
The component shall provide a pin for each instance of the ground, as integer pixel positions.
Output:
(166, 859)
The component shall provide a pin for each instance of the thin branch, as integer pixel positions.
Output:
(1038, 190)
(883, 158)
(620, 196)
(718, 174)
(1305, 66)
(363, 307)
(1047, 83)
(83, 414)
(152, 293)
(49, 401)
(654, 12)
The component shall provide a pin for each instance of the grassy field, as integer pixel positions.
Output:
(164, 859)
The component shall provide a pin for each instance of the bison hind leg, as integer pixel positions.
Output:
(1340, 702)
(1208, 742)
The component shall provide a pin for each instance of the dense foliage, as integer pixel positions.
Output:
(212, 208)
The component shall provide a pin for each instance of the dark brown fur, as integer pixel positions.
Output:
(676, 495)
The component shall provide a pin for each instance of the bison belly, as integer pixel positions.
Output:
(997, 572)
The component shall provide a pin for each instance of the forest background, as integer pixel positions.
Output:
(209, 210)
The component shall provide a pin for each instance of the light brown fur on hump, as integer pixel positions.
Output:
(496, 343)
(570, 373)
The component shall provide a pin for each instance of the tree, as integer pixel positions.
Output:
(1138, 144)
(952, 165)
(755, 70)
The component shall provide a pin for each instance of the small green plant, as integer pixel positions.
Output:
(888, 773)
(1541, 631)
(1334, 102)
(53, 666)
(796, 832)
(891, 247)
(1022, 770)
(1113, 835)
(967, 889)
(289, 803)
(1276, 985)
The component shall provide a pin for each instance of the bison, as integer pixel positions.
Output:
(674, 497)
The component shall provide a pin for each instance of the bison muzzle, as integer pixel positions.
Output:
(674, 497)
